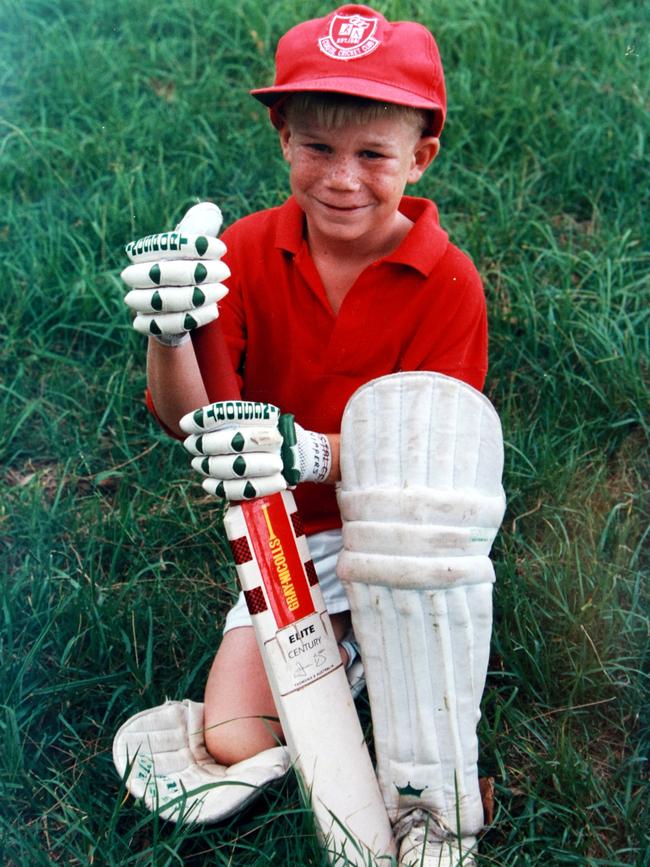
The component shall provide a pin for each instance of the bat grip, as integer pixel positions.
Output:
(214, 362)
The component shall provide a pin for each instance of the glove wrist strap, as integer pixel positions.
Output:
(315, 455)
(306, 455)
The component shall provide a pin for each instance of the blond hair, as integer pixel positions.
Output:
(335, 110)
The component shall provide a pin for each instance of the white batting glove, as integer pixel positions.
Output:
(249, 449)
(176, 277)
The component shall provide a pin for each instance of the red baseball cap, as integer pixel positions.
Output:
(355, 50)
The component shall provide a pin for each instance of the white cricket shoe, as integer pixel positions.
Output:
(423, 846)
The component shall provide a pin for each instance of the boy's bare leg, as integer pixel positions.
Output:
(240, 714)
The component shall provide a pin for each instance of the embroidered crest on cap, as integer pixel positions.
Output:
(350, 37)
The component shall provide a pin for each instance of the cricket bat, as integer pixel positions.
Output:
(300, 652)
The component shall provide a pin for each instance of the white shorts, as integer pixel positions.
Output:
(325, 548)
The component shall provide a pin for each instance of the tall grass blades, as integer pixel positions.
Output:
(115, 575)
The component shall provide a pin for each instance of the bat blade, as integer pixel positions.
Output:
(307, 678)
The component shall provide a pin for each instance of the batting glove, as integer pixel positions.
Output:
(249, 449)
(176, 277)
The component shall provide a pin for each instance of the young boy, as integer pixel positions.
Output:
(347, 281)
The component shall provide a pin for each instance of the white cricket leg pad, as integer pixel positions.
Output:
(161, 755)
(421, 501)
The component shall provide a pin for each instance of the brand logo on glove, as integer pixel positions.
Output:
(163, 241)
(350, 37)
(242, 410)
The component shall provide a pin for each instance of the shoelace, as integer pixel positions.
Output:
(425, 825)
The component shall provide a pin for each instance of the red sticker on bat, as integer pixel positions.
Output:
(278, 559)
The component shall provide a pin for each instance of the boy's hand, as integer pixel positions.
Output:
(250, 449)
(176, 277)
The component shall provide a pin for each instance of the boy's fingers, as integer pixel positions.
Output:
(204, 218)
(230, 413)
(176, 272)
(174, 299)
(245, 489)
(252, 465)
(235, 440)
(176, 278)
(175, 323)
(174, 245)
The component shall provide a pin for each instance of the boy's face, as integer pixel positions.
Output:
(349, 180)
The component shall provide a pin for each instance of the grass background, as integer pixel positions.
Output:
(114, 117)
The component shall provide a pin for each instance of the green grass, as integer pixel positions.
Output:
(115, 578)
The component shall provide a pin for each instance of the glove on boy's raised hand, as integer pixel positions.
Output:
(176, 277)
(250, 449)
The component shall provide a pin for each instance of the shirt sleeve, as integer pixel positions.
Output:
(148, 399)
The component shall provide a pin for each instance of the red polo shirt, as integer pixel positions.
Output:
(420, 308)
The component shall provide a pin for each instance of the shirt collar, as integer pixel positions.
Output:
(289, 226)
(421, 248)
(426, 242)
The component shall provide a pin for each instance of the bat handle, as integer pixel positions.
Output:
(214, 362)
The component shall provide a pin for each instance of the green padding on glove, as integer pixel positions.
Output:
(289, 449)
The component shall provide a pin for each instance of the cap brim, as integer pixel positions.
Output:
(367, 89)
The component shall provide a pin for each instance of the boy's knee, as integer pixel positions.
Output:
(237, 740)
